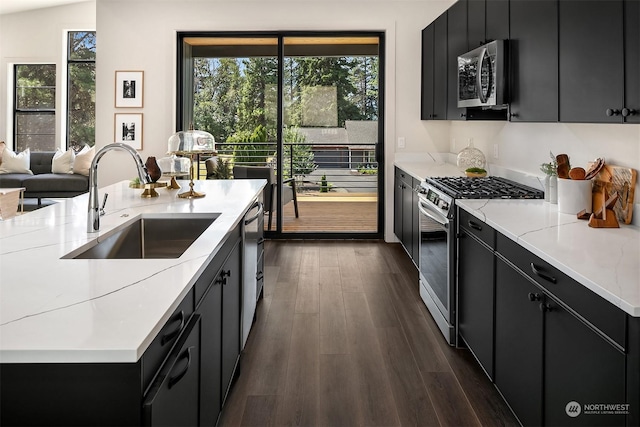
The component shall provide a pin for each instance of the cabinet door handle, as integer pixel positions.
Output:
(612, 112)
(534, 296)
(539, 273)
(626, 112)
(185, 354)
(545, 307)
(475, 225)
(168, 337)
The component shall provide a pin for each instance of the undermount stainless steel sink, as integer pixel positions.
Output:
(147, 237)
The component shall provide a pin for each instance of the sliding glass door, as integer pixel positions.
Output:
(306, 106)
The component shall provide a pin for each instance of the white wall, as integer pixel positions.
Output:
(38, 37)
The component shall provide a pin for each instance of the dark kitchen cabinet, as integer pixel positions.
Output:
(632, 61)
(211, 355)
(173, 397)
(497, 20)
(518, 344)
(220, 311)
(591, 48)
(397, 204)
(457, 44)
(580, 366)
(434, 70)
(406, 213)
(476, 23)
(231, 319)
(555, 342)
(533, 51)
(487, 20)
(476, 288)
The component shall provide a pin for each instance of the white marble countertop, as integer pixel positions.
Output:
(605, 260)
(81, 310)
(428, 166)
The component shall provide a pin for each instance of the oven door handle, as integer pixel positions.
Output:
(437, 218)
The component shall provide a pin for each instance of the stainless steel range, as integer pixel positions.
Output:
(438, 228)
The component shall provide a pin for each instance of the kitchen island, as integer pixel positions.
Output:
(84, 331)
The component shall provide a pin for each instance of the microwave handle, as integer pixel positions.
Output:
(481, 95)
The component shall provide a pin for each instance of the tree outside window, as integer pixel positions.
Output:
(81, 96)
(35, 107)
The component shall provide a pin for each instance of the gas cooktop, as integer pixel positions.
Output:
(491, 187)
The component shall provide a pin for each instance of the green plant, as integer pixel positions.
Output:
(252, 148)
(367, 170)
(298, 159)
(222, 170)
(324, 185)
(475, 170)
(551, 168)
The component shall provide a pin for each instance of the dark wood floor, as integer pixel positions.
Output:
(343, 339)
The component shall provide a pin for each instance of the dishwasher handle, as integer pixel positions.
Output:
(260, 207)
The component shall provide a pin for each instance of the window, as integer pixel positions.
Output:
(305, 103)
(81, 89)
(35, 107)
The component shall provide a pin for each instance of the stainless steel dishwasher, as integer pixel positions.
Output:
(252, 264)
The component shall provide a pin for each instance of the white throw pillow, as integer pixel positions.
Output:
(82, 162)
(16, 163)
(63, 161)
(2, 147)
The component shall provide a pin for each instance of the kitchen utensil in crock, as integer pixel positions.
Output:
(563, 166)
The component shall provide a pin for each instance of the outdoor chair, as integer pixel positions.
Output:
(269, 193)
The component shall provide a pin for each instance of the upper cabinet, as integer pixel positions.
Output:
(569, 60)
(632, 61)
(487, 20)
(434, 70)
(457, 44)
(591, 61)
(533, 60)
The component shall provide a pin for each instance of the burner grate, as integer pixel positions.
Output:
(484, 188)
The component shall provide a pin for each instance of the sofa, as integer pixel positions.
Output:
(43, 183)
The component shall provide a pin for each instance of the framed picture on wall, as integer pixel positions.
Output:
(128, 129)
(129, 89)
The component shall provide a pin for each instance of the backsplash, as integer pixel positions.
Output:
(522, 147)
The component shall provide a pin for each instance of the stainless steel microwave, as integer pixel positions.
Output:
(482, 76)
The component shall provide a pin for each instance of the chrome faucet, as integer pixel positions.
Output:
(93, 217)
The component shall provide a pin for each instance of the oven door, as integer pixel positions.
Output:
(436, 266)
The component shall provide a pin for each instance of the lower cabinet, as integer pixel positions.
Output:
(518, 350)
(580, 366)
(475, 291)
(220, 337)
(173, 397)
(405, 225)
(558, 351)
